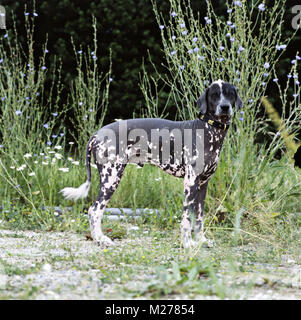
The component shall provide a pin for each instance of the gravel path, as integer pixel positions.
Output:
(54, 265)
(48, 264)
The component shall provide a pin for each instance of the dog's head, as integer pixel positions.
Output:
(218, 101)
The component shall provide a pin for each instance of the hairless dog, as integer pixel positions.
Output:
(184, 149)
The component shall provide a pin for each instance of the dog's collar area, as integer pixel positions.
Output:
(214, 123)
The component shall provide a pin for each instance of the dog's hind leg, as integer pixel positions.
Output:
(110, 175)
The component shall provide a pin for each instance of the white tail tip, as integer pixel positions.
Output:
(76, 193)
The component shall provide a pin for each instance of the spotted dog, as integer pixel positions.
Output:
(185, 149)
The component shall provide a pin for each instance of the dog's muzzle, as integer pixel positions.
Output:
(224, 110)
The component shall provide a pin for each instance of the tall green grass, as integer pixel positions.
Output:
(243, 48)
(250, 190)
(89, 93)
(33, 162)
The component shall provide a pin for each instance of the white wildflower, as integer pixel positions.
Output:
(23, 166)
(27, 155)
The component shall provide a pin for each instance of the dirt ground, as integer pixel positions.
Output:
(56, 265)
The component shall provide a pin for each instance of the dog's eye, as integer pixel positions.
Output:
(230, 94)
(215, 95)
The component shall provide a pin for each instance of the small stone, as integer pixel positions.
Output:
(46, 267)
(291, 261)
(134, 228)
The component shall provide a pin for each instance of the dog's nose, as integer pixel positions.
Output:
(225, 108)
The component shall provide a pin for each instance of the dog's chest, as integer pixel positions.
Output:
(213, 141)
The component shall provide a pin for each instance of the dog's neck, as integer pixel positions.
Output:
(217, 122)
(224, 119)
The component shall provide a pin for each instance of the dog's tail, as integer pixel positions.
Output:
(83, 190)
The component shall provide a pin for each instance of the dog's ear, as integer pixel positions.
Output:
(202, 102)
(238, 102)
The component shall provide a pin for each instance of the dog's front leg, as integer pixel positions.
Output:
(199, 234)
(191, 207)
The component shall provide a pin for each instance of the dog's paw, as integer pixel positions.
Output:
(207, 243)
(189, 244)
(204, 242)
(105, 241)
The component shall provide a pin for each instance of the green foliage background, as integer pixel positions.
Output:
(32, 167)
(128, 28)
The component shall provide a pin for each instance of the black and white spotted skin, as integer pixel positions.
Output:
(216, 109)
